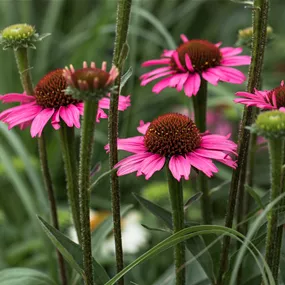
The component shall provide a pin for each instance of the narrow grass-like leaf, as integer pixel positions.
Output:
(24, 276)
(157, 24)
(189, 233)
(94, 184)
(72, 253)
(255, 196)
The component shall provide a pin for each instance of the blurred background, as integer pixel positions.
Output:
(85, 30)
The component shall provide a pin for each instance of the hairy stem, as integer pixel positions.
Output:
(122, 25)
(260, 16)
(22, 60)
(276, 159)
(176, 199)
(200, 111)
(86, 147)
(68, 148)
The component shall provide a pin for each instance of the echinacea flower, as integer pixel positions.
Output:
(174, 139)
(50, 102)
(268, 99)
(184, 67)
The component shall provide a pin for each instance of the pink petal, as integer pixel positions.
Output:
(203, 164)
(40, 121)
(124, 103)
(132, 144)
(155, 71)
(229, 74)
(55, 121)
(143, 127)
(16, 97)
(178, 80)
(151, 164)
(189, 63)
(100, 115)
(156, 62)
(179, 167)
(184, 38)
(159, 86)
(147, 80)
(70, 114)
(236, 60)
(175, 56)
(168, 53)
(192, 85)
(80, 107)
(210, 77)
(229, 51)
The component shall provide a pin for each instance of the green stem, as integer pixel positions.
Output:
(276, 158)
(176, 198)
(200, 111)
(260, 17)
(21, 56)
(67, 139)
(86, 147)
(122, 25)
(280, 229)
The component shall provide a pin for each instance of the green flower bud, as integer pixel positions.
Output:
(270, 124)
(245, 36)
(20, 36)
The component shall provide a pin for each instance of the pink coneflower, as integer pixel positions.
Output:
(174, 138)
(268, 99)
(50, 102)
(193, 59)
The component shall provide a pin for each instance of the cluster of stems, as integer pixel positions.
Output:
(260, 17)
(22, 60)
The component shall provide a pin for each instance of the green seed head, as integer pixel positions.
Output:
(270, 124)
(20, 36)
(245, 36)
(18, 31)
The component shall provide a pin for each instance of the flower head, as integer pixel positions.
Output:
(90, 83)
(50, 102)
(270, 124)
(268, 99)
(192, 60)
(20, 36)
(174, 138)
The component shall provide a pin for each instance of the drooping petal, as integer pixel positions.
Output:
(179, 167)
(192, 85)
(151, 164)
(175, 56)
(155, 71)
(100, 115)
(40, 121)
(229, 74)
(132, 144)
(184, 38)
(162, 84)
(55, 120)
(210, 77)
(70, 114)
(145, 81)
(203, 164)
(124, 103)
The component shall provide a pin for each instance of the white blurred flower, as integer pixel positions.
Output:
(134, 235)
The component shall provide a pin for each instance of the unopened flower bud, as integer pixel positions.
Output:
(20, 36)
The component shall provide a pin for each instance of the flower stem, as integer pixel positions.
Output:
(200, 111)
(260, 16)
(123, 16)
(22, 60)
(71, 171)
(86, 146)
(276, 159)
(176, 198)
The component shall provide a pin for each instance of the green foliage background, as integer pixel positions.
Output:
(84, 30)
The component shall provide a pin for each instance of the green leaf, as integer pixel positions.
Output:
(100, 178)
(101, 232)
(72, 253)
(194, 245)
(157, 24)
(187, 233)
(255, 196)
(24, 276)
(192, 199)
(126, 77)
(156, 210)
